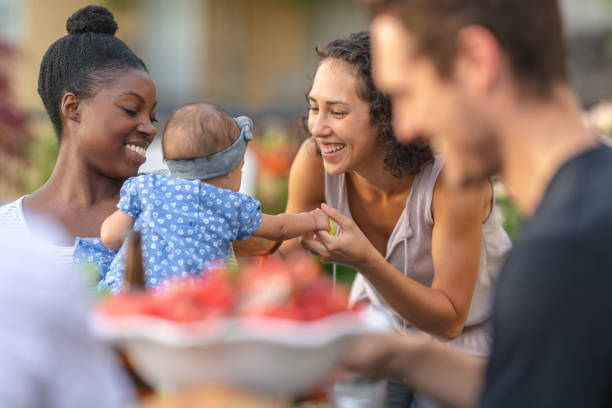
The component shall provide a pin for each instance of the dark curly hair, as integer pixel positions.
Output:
(81, 62)
(399, 159)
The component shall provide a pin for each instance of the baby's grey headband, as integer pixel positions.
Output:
(217, 164)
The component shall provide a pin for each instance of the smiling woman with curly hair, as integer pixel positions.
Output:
(399, 159)
(426, 253)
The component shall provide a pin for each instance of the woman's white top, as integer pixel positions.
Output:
(409, 251)
(13, 220)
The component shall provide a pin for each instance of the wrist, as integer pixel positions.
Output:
(370, 260)
(314, 221)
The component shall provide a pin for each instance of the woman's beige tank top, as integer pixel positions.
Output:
(409, 251)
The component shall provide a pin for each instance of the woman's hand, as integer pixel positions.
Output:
(348, 247)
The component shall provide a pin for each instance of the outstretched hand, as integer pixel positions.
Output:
(349, 246)
(374, 356)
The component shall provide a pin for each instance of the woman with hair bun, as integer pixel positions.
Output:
(426, 254)
(101, 101)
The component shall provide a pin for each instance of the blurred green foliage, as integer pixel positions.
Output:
(511, 219)
(344, 274)
(14, 134)
(116, 4)
(41, 155)
(302, 3)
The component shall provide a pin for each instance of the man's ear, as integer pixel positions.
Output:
(478, 60)
(70, 107)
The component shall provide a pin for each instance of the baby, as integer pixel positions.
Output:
(189, 220)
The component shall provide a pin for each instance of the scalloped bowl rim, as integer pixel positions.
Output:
(231, 350)
(239, 329)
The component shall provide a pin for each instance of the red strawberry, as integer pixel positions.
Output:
(318, 300)
(196, 298)
(303, 268)
(127, 303)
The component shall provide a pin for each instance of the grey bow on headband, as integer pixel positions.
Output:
(217, 164)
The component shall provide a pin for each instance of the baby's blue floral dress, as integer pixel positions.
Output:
(92, 251)
(186, 225)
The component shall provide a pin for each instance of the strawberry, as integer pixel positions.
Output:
(293, 289)
(128, 303)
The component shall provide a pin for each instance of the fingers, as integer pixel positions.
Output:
(327, 239)
(315, 247)
(339, 218)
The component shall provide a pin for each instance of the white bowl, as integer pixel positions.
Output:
(267, 355)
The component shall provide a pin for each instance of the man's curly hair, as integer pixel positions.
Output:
(399, 159)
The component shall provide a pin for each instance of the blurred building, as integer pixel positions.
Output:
(251, 56)
(589, 28)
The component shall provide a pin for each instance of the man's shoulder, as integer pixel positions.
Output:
(591, 166)
(595, 166)
(573, 225)
(577, 202)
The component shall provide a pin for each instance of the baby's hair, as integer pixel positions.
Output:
(198, 130)
(81, 62)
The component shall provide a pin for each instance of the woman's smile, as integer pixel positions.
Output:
(136, 153)
(330, 151)
(339, 119)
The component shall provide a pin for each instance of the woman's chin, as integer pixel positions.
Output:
(125, 172)
(334, 169)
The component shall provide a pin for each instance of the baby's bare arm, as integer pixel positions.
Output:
(286, 226)
(115, 228)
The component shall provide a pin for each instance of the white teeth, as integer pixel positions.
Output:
(332, 149)
(137, 149)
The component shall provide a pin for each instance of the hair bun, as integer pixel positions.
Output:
(92, 19)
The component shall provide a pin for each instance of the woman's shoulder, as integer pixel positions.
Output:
(10, 206)
(306, 179)
(11, 215)
(426, 183)
(430, 171)
(308, 162)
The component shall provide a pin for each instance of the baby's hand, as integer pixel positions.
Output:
(321, 220)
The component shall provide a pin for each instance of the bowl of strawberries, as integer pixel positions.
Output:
(272, 326)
